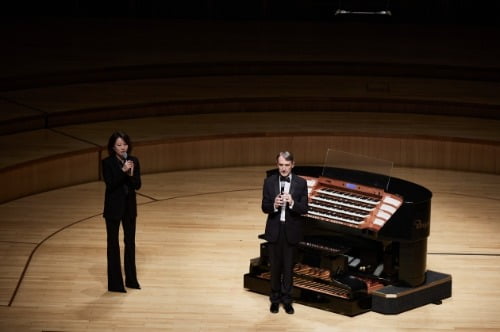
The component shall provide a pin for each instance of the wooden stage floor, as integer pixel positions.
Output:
(197, 231)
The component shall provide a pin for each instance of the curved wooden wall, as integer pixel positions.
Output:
(226, 150)
(260, 149)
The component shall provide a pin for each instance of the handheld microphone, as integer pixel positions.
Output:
(125, 158)
(282, 192)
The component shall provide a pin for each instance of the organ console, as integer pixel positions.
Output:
(365, 241)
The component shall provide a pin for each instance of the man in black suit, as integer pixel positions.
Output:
(284, 200)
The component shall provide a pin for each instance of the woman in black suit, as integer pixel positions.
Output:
(122, 175)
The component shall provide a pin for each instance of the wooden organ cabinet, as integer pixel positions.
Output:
(365, 241)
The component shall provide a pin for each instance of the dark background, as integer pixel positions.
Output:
(476, 12)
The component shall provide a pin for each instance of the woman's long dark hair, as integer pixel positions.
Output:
(112, 140)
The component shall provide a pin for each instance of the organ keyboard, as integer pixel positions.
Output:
(350, 204)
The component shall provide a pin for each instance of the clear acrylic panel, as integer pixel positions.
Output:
(357, 168)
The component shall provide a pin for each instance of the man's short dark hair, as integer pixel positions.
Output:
(288, 156)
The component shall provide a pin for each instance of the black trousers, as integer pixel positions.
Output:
(281, 259)
(115, 279)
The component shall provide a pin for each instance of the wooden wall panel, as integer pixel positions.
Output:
(50, 173)
(261, 150)
(231, 151)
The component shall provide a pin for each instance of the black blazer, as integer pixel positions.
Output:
(293, 226)
(119, 199)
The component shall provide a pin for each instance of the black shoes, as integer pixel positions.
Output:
(119, 290)
(135, 286)
(275, 307)
(288, 308)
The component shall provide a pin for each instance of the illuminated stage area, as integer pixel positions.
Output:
(209, 92)
(194, 242)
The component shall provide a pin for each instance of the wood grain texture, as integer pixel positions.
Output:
(197, 231)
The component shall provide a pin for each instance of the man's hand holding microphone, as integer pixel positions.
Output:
(283, 200)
